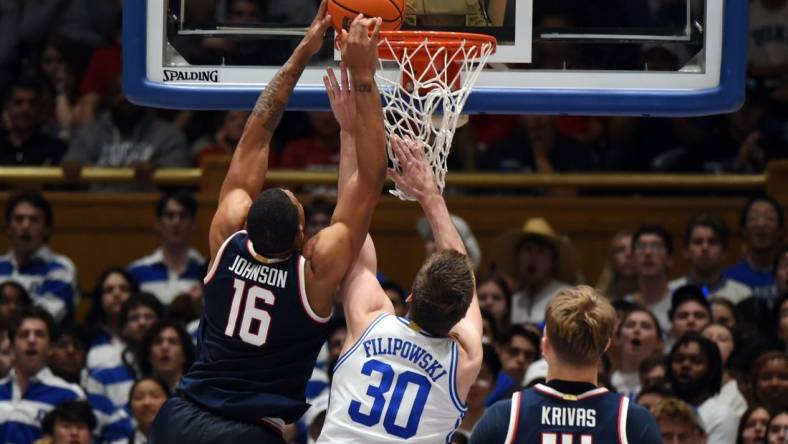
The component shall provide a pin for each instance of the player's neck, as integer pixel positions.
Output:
(572, 374)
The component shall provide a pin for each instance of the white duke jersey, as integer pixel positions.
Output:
(394, 384)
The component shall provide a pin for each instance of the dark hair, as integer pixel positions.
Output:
(76, 332)
(318, 205)
(488, 316)
(69, 411)
(746, 417)
(708, 220)
(728, 304)
(272, 222)
(518, 330)
(141, 299)
(758, 365)
(35, 312)
(24, 296)
(442, 292)
(160, 382)
(491, 360)
(183, 198)
(388, 284)
(656, 230)
(35, 199)
(761, 198)
(647, 364)
(187, 345)
(658, 388)
(498, 279)
(712, 382)
(96, 314)
(688, 293)
(26, 82)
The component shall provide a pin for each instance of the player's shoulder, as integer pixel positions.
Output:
(641, 425)
(494, 424)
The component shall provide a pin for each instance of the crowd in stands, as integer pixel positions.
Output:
(706, 352)
(63, 103)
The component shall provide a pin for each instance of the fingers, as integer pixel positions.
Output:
(321, 11)
(375, 37)
(344, 76)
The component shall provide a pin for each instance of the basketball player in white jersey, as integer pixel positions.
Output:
(405, 378)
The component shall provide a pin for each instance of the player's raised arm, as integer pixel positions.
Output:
(331, 252)
(417, 180)
(249, 164)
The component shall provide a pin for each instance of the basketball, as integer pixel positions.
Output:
(344, 11)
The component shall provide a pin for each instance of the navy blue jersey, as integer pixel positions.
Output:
(545, 415)
(258, 337)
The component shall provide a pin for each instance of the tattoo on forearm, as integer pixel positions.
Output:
(271, 104)
(363, 87)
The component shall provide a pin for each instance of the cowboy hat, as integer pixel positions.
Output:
(567, 270)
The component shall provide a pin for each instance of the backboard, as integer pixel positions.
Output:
(602, 57)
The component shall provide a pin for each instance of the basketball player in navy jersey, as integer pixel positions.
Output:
(569, 408)
(404, 378)
(267, 299)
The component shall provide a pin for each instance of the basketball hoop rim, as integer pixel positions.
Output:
(393, 43)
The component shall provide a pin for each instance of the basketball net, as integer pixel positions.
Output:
(437, 71)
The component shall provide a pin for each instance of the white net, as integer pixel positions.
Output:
(425, 101)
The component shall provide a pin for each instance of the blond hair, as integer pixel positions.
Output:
(673, 409)
(579, 323)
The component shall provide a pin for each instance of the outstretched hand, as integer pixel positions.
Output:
(360, 47)
(341, 98)
(313, 40)
(415, 176)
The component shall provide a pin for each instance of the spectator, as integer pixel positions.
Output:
(397, 297)
(543, 263)
(768, 52)
(705, 242)
(174, 267)
(31, 390)
(517, 348)
(138, 315)
(13, 301)
(753, 425)
(729, 392)
(60, 65)
(70, 423)
(537, 146)
(6, 353)
(652, 370)
(468, 239)
(723, 312)
(769, 380)
(495, 296)
(689, 312)
(678, 423)
(105, 65)
(651, 395)
(781, 318)
(781, 271)
(75, 20)
(762, 225)
(146, 397)
(640, 336)
(166, 351)
(49, 278)
(480, 389)
(653, 248)
(113, 288)
(618, 277)
(22, 140)
(489, 327)
(127, 136)
(67, 360)
(695, 373)
(778, 428)
(318, 151)
(224, 140)
(318, 216)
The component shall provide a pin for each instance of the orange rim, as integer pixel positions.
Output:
(400, 41)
